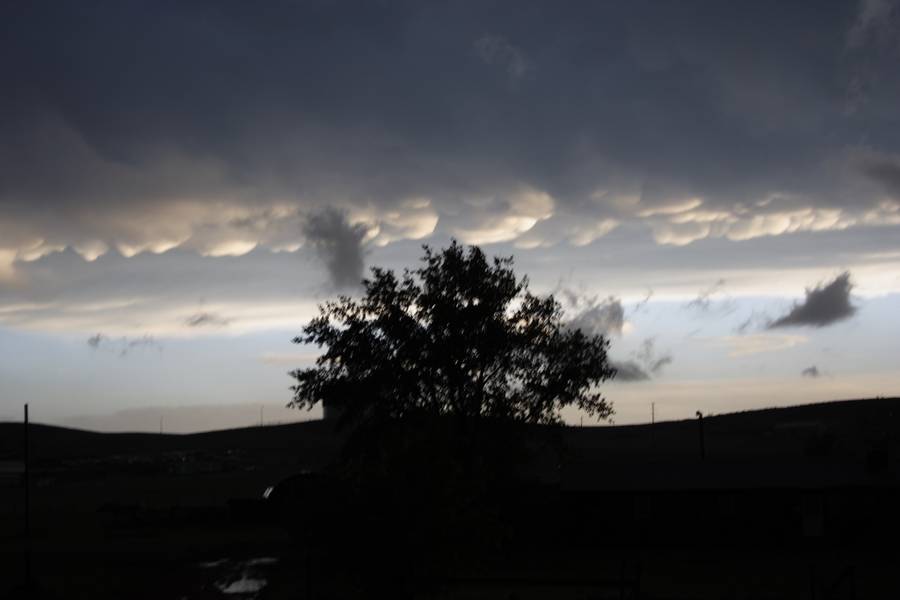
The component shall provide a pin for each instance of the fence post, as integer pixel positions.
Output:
(27, 506)
(702, 437)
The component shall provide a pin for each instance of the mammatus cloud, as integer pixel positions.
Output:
(500, 217)
(811, 372)
(824, 305)
(412, 219)
(644, 364)
(122, 345)
(738, 153)
(339, 244)
(767, 216)
(206, 319)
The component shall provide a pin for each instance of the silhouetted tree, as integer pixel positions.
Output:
(460, 335)
(439, 369)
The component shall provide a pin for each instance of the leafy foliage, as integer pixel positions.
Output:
(460, 335)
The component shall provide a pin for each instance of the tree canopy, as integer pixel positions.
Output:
(460, 335)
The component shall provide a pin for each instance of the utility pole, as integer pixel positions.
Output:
(261, 415)
(702, 437)
(653, 413)
(160, 425)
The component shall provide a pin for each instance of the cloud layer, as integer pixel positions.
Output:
(416, 117)
(210, 156)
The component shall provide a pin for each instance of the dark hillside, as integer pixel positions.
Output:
(141, 502)
(852, 425)
(51, 443)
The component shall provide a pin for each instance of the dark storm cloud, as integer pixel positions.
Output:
(652, 360)
(119, 113)
(811, 372)
(593, 316)
(644, 364)
(824, 305)
(884, 170)
(607, 317)
(340, 246)
(629, 371)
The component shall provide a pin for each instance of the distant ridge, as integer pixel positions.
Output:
(856, 422)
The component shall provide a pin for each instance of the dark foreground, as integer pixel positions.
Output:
(787, 503)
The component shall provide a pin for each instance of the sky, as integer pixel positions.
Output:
(715, 186)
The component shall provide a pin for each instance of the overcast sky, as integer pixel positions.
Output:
(714, 185)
